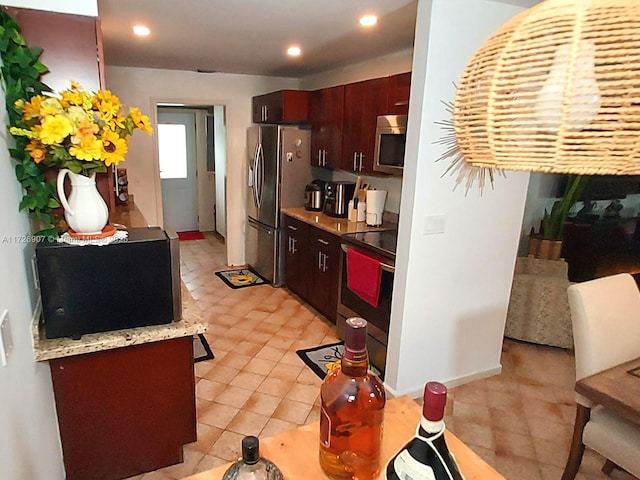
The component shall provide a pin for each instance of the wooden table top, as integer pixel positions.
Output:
(295, 452)
(616, 389)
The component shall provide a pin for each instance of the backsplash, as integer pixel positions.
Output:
(393, 185)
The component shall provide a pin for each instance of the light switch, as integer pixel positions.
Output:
(434, 224)
(6, 343)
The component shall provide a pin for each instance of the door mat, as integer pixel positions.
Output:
(325, 358)
(244, 277)
(190, 235)
(201, 349)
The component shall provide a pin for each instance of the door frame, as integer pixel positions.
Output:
(157, 102)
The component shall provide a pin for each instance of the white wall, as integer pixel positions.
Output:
(144, 87)
(29, 441)
(451, 289)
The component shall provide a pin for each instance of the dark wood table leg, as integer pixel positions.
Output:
(577, 447)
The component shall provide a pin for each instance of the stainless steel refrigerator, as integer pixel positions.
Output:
(279, 169)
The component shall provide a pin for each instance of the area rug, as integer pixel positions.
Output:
(201, 349)
(244, 277)
(323, 358)
(194, 235)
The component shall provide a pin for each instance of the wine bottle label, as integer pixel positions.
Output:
(408, 468)
(325, 428)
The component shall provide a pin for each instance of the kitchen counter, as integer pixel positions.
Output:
(336, 226)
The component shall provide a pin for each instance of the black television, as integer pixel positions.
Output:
(603, 187)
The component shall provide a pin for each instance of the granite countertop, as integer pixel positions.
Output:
(190, 324)
(334, 225)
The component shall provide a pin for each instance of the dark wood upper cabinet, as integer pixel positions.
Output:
(72, 46)
(72, 50)
(284, 106)
(363, 103)
(398, 94)
(327, 116)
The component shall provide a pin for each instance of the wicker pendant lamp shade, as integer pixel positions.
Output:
(557, 90)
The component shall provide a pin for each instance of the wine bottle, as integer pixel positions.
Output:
(351, 414)
(252, 466)
(426, 456)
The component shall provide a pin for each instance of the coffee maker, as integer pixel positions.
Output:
(336, 198)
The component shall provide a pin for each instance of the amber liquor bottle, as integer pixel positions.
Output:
(352, 409)
(426, 456)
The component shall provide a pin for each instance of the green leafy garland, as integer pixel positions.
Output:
(21, 70)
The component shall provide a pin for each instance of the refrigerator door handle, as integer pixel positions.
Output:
(259, 175)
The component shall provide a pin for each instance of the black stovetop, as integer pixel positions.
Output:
(382, 242)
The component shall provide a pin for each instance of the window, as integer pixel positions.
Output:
(172, 150)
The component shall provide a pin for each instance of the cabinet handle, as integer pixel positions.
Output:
(319, 157)
(319, 260)
(324, 158)
(361, 157)
(293, 245)
(289, 244)
(355, 161)
(266, 113)
(291, 227)
(324, 262)
(324, 242)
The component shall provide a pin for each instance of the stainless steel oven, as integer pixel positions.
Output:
(382, 244)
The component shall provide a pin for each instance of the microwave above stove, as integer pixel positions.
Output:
(391, 135)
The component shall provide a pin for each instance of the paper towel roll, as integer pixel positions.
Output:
(375, 206)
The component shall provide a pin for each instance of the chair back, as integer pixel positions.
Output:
(605, 314)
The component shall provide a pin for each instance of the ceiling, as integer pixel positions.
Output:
(251, 36)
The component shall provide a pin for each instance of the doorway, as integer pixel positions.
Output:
(192, 165)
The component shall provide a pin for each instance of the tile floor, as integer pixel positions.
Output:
(520, 421)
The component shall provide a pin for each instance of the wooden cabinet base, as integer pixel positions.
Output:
(125, 411)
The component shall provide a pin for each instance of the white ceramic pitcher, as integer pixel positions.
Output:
(85, 211)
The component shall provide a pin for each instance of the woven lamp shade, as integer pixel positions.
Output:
(557, 90)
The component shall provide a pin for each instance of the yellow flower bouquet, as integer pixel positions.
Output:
(82, 131)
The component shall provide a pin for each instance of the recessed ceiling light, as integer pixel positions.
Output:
(368, 20)
(294, 51)
(141, 30)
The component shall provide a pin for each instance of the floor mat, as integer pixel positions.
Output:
(190, 235)
(241, 278)
(323, 358)
(201, 349)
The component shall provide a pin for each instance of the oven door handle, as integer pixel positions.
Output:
(384, 266)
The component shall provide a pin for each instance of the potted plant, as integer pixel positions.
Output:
(547, 243)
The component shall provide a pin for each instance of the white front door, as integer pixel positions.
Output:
(177, 158)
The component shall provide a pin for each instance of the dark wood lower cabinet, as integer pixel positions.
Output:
(312, 265)
(125, 411)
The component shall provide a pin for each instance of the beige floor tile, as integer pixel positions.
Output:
(228, 447)
(275, 386)
(262, 403)
(248, 423)
(209, 389)
(217, 415)
(221, 374)
(275, 426)
(303, 393)
(291, 411)
(233, 396)
(247, 380)
(208, 462)
(285, 371)
(207, 436)
(259, 365)
(270, 353)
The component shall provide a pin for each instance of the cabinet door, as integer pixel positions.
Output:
(284, 106)
(135, 404)
(363, 103)
(398, 94)
(327, 116)
(324, 266)
(296, 255)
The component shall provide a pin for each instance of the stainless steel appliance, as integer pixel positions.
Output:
(391, 134)
(314, 196)
(93, 288)
(382, 244)
(279, 168)
(336, 198)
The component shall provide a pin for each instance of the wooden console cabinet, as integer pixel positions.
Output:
(125, 411)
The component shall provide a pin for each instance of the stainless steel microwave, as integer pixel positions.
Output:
(391, 135)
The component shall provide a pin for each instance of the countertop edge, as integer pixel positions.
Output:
(49, 349)
(335, 225)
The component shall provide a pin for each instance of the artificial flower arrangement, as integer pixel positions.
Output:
(83, 131)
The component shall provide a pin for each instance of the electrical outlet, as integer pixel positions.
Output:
(6, 342)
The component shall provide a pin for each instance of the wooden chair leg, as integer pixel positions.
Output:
(577, 447)
(608, 467)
